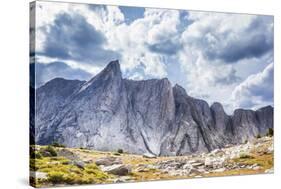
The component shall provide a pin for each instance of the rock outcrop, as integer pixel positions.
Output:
(150, 116)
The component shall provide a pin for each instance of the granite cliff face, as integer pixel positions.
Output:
(150, 116)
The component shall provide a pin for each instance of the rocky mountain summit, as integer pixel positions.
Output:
(109, 112)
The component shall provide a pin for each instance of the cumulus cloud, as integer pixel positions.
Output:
(72, 37)
(148, 40)
(230, 37)
(209, 54)
(256, 90)
(209, 81)
(221, 50)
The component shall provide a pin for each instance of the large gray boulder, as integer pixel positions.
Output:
(118, 169)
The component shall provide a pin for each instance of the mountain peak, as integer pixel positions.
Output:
(113, 66)
(139, 116)
(111, 72)
(217, 106)
(180, 90)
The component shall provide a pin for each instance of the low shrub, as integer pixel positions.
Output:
(51, 150)
(120, 151)
(91, 168)
(38, 155)
(56, 177)
(61, 170)
(245, 156)
(35, 155)
(56, 144)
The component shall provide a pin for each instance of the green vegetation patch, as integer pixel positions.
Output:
(265, 161)
(245, 156)
(60, 170)
(51, 150)
(56, 144)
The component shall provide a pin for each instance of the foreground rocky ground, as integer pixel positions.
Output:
(59, 166)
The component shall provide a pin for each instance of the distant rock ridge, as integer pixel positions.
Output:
(149, 116)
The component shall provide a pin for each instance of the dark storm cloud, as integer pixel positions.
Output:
(253, 42)
(46, 72)
(72, 37)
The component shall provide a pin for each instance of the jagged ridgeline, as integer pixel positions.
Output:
(149, 116)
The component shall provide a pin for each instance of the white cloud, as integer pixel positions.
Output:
(45, 15)
(229, 37)
(220, 50)
(199, 46)
(256, 90)
(73, 64)
(132, 41)
(209, 81)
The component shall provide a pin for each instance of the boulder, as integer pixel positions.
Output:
(146, 168)
(88, 161)
(256, 168)
(141, 169)
(187, 166)
(118, 169)
(214, 162)
(122, 179)
(107, 161)
(38, 175)
(219, 170)
(218, 152)
(194, 171)
(196, 163)
(79, 164)
(149, 155)
(270, 149)
(45, 153)
(271, 170)
(67, 154)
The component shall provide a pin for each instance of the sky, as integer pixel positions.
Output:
(217, 57)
